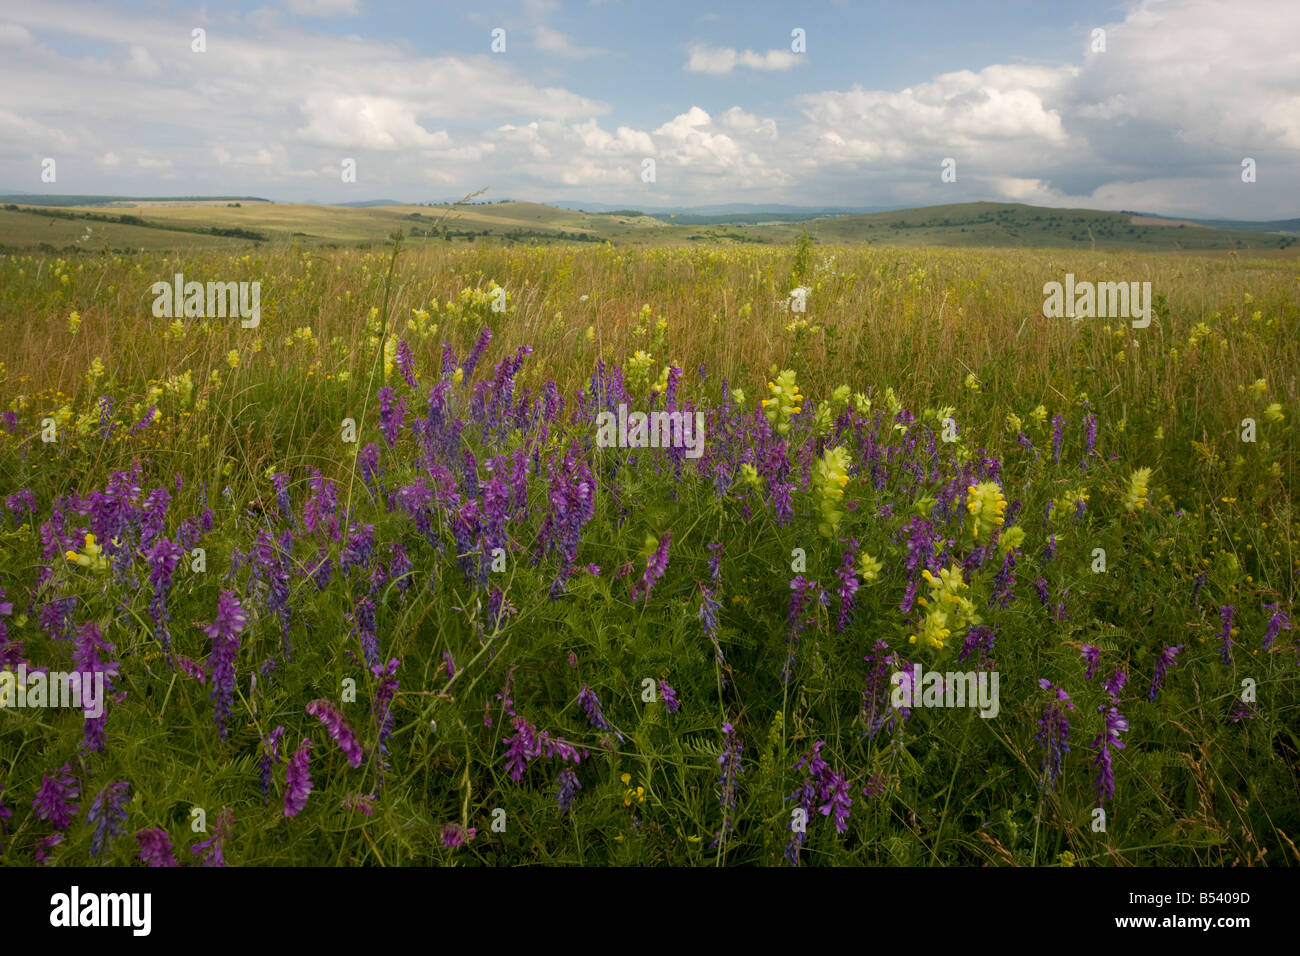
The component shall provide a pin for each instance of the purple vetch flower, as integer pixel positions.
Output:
(1049, 552)
(405, 362)
(320, 511)
(362, 620)
(21, 503)
(1091, 655)
(1005, 580)
(382, 707)
(1040, 585)
(1166, 661)
(476, 353)
(805, 596)
(848, 587)
(1226, 613)
(1058, 436)
(655, 567)
(708, 613)
(454, 835)
(450, 661)
(1053, 734)
(270, 757)
(338, 728)
(363, 802)
(212, 850)
(821, 786)
(732, 768)
(359, 549)
(156, 847)
(280, 482)
(5, 814)
(224, 633)
(877, 703)
(392, 414)
(106, 813)
(1109, 737)
(1114, 684)
(568, 787)
(163, 559)
(87, 657)
(43, 847)
(1089, 438)
(191, 668)
(53, 801)
(322, 569)
(590, 703)
(1197, 584)
(145, 422)
(399, 566)
(669, 697)
(526, 744)
(1278, 622)
(56, 617)
(153, 515)
(979, 640)
(297, 780)
(368, 459)
(782, 501)
(521, 748)
(1242, 711)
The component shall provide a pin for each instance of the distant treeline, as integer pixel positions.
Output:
(514, 235)
(43, 200)
(126, 220)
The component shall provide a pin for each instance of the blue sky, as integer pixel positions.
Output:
(586, 92)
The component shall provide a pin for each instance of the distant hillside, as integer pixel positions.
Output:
(123, 225)
(37, 199)
(1015, 224)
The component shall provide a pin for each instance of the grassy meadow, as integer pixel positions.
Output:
(371, 592)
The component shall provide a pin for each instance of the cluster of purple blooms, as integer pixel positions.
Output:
(824, 789)
(464, 479)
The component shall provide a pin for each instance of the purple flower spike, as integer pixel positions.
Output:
(1277, 623)
(1091, 655)
(156, 848)
(54, 798)
(454, 835)
(224, 632)
(1226, 613)
(212, 850)
(1116, 724)
(1053, 734)
(670, 697)
(298, 784)
(106, 814)
(1162, 667)
(338, 728)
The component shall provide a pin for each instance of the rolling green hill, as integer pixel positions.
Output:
(179, 224)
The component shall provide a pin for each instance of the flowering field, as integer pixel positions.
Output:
(361, 585)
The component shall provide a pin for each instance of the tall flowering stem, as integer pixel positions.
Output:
(224, 634)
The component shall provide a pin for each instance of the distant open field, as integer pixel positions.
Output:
(969, 225)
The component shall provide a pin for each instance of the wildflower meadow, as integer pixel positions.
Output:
(812, 555)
